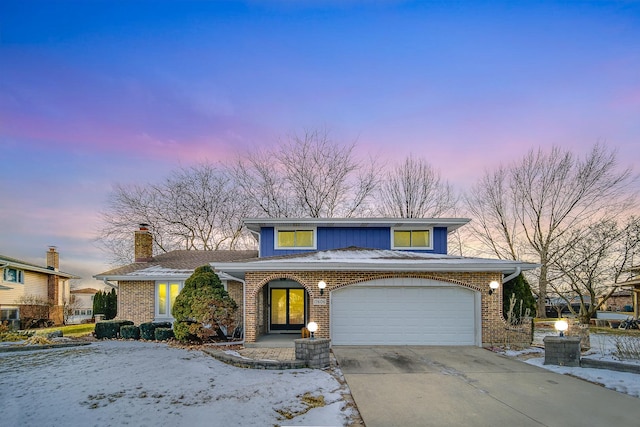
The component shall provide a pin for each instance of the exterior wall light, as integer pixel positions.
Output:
(493, 286)
(561, 326)
(321, 286)
(312, 327)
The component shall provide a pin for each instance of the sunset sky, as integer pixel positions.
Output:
(94, 93)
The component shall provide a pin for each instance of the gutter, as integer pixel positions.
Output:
(106, 282)
(516, 273)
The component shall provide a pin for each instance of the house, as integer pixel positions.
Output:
(81, 305)
(369, 281)
(29, 292)
(147, 288)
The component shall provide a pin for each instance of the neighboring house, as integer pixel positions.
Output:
(386, 281)
(620, 300)
(633, 285)
(81, 306)
(29, 291)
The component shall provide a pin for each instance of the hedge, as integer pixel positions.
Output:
(130, 332)
(147, 330)
(110, 329)
(163, 334)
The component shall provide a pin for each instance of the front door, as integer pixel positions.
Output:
(287, 309)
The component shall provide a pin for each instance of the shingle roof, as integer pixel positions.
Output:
(181, 261)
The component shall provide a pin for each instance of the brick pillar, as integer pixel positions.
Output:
(143, 244)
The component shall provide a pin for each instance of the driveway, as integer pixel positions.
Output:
(455, 386)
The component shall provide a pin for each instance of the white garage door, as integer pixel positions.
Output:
(405, 312)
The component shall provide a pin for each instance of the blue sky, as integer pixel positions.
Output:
(94, 93)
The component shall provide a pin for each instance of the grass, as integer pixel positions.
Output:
(70, 330)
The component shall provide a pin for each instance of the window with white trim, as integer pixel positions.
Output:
(403, 238)
(166, 293)
(13, 275)
(294, 238)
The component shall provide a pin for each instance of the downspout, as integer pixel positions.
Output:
(255, 233)
(511, 276)
(244, 311)
(106, 282)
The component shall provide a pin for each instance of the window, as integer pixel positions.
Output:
(295, 239)
(411, 239)
(13, 275)
(9, 314)
(166, 293)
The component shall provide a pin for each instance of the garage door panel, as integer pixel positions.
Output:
(419, 315)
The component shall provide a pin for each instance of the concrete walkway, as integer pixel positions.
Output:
(455, 386)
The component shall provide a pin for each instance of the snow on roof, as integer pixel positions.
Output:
(374, 259)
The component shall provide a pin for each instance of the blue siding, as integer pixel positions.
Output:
(343, 237)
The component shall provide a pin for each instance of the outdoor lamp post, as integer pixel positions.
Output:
(493, 286)
(321, 286)
(312, 327)
(561, 326)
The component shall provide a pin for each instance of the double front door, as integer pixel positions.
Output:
(287, 309)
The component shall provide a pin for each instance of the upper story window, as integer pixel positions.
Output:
(411, 239)
(295, 238)
(13, 275)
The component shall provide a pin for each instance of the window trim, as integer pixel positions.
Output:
(19, 275)
(276, 230)
(406, 248)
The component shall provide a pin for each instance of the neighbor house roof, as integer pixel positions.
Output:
(361, 259)
(255, 224)
(173, 265)
(6, 261)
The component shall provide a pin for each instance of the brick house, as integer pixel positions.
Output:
(385, 281)
(632, 285)
(30, 291)
(148, 287)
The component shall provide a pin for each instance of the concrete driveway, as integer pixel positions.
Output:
(457, 386)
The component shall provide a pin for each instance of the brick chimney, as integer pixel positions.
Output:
(53, 259)
(143, 244)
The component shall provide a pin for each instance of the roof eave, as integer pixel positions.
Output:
(255, 224)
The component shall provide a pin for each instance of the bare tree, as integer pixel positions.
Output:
(307, 176)
(595, 259)
(530, 209)
(196, 208)
(414, 189)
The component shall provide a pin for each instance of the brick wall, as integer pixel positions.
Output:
(495, 330)
(236, 293)
(136, 301)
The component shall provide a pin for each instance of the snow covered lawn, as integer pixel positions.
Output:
(151, 384)
(602, 348)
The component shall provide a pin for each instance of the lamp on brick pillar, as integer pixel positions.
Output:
(312, 327)
(493, 286)
(561, 326)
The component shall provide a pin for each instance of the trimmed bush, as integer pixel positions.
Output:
(163, 334)
(110, 329)
(130, 332)
(148, 330)
(203, 308)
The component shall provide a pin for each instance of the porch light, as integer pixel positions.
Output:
(312, 327)
(561, 326)
(493, 286)
(321, 286)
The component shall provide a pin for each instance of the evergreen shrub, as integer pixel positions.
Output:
(203, 308)
(148, 330)
(130, 332)
(164, 334)
(110, 329)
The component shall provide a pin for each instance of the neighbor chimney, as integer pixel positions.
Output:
(53, 259)
(143, 244)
